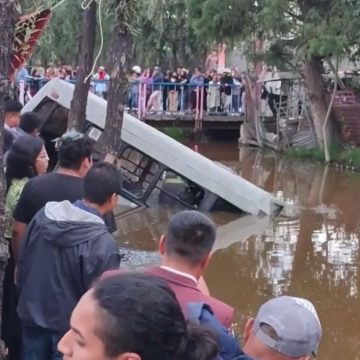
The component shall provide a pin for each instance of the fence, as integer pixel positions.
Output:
(172, 98)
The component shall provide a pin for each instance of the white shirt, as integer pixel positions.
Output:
(177, 272)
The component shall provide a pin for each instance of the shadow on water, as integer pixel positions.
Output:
(311, 250)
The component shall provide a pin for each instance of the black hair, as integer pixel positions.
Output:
(73, 151)
(21, 158)
(139, 313)
(101, 182)
(13, 106)
(30, 121)
(190, 236)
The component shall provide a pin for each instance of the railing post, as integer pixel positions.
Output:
(140, 96)
(197, 106)
(201, 116)
(182, 99)
(22, 92)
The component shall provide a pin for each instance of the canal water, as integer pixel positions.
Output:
(311, 250)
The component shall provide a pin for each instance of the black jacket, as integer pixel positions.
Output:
(64, 250)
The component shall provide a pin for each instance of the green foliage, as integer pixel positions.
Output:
(315, 154)
(60, 42)
(164, 31)
(293, 29)
(348, 155)
(178, 134)
(222, 20)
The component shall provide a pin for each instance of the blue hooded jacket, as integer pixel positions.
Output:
(201, 314)
(64, 250)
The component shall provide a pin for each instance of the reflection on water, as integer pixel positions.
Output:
(311, 250)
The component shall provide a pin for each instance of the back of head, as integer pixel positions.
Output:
(13, 106)
(190, 236)
(140, 314)
(73, 149)
(21, 158)
(287, 326)
(30, 122)
(101, 182)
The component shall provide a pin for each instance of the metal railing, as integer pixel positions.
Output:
(167, 98)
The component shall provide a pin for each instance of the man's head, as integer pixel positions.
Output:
(12, 113)
(126, 317)
(75, 152)
(285, 328)
(31, 122)
(188, 241)
(102, 185)
(156, 70)
(197, 71)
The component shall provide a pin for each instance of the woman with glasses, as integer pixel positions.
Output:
(26, 158)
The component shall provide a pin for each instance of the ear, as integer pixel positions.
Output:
(85, 166)
(113, 200)
(248, 329)
(128, 356)
(205, 263)
(162, 245)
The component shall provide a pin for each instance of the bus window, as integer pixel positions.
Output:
(55, 123)
(139, 171)
(175, 191)
(46, 108)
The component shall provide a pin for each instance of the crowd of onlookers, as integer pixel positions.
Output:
(65, 298)
(182, 90)
(172, 91)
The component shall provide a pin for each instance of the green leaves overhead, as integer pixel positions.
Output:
(222, 20)
(314, 27)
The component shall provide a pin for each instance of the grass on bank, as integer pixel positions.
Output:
(178, 134)
(347, 156)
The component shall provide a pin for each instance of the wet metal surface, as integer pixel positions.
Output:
(311, 250)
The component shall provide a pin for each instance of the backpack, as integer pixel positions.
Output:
(201, 314)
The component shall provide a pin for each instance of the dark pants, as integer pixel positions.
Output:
(11, 328)
(39, 343)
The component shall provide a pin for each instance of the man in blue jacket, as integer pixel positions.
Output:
(66, 247)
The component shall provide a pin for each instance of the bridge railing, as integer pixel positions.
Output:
(172, 99)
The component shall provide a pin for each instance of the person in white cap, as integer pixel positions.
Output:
(285, 328)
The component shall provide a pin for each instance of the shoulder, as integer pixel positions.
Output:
(220, 308)
(17, 185)
(105, 241)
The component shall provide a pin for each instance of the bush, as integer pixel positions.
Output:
(344, 155)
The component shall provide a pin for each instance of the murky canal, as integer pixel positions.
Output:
(312, 250)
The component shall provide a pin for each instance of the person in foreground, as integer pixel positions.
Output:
(285, 328)
(134, 317)
(26, 159)
(66, 247)
(185, 254)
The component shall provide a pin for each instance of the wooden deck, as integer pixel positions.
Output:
(209, 122)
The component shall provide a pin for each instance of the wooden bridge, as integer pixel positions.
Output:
(212, 121)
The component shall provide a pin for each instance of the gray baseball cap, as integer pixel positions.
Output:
(295, 322)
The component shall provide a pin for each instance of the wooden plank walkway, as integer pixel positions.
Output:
(209, 122)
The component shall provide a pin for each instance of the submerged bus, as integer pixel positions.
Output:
(158, 171)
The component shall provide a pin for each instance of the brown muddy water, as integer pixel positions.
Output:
(311, 250)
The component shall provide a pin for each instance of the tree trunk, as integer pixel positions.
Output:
(315, 92)
(8, 18)
(77, 114)
(121, 48)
